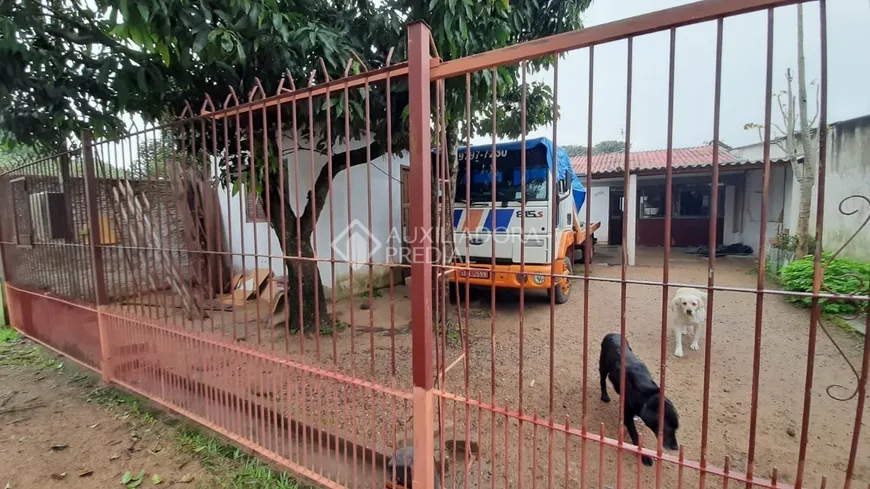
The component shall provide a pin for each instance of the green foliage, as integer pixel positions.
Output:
(575, 149)
(13, 157)
(789, 242)
(842, 276)
(74, 65)
(609, 146)
(8, 335)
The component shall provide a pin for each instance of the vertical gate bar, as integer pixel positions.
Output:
(492, 296)
(252, 189)
(268, 212)
(95, 242)
(524, 121)
(623, 269)
(601, 446)
(201, 203)
(708, 349)
(391, 226)
(554, 263)
(759, 298)
(666, 267)
(68, 234)
(818, 272)
(316, 279)
(587, 258)
(217, 260)
(467, 361)
(228, 183)
(171, 165)
(421, 264)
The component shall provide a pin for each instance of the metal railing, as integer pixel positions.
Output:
(227, 266)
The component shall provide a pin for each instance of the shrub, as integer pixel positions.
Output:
(842, 276)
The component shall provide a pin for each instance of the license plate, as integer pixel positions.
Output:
(474, 273)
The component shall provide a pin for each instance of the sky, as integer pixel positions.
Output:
(743, 75)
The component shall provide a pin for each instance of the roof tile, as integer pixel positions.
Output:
(697, 157)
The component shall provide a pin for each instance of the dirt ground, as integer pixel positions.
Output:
(53, 435)
(514, 362)
(493, 370)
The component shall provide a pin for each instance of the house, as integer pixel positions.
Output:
(741, 178)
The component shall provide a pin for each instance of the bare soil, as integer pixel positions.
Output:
(531, 359)
(514, 361)
(51, 435)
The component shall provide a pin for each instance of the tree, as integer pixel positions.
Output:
(77, 65)
(609, 146)
(575, 150)
(799, 139)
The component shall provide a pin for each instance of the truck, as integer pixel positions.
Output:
(491, 224)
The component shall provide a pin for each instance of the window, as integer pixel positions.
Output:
(254, 208)
(692, 201)
(688, 200)
(652, 202)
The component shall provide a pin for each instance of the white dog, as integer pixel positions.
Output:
(690, 314)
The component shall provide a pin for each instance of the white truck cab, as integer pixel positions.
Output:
(506, 240)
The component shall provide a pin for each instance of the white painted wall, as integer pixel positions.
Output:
(599, 201)
(728, 234)
(299, 182)
(248, 239)
(847, 173)
(630, 240)
(777, 204)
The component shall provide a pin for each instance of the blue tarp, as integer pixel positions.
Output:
(563, 162)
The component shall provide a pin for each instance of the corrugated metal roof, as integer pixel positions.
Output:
(697, 157)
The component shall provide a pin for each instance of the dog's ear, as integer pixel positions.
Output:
(703, 300)
(649, 411)
(675, 302)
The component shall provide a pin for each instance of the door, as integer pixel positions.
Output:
(614, 221)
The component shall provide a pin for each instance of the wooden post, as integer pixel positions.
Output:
(95, 238)
(421, 257)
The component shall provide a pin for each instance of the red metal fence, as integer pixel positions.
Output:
(172, 264)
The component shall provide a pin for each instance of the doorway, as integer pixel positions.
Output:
(614, 221)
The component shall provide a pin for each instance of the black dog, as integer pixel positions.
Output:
(641, 393)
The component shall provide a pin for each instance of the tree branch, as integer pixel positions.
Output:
(317, 196)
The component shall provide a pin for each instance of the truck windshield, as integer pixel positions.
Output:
(508, 181)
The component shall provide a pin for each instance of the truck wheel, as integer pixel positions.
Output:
(562, 290)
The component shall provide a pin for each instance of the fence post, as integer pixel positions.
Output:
(421, 258)
(92, 201)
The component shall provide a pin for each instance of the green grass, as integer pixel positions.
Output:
(14, 352)
(231, 467)
(8, 335)
(234, 468)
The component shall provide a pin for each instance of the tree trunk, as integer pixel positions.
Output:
(803, 225)
(807, 181)
(302, 275)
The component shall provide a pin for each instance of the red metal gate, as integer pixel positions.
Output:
(295, 335)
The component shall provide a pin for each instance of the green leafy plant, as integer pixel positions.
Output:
(789, 242)
(131, 481)
(842, 276)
